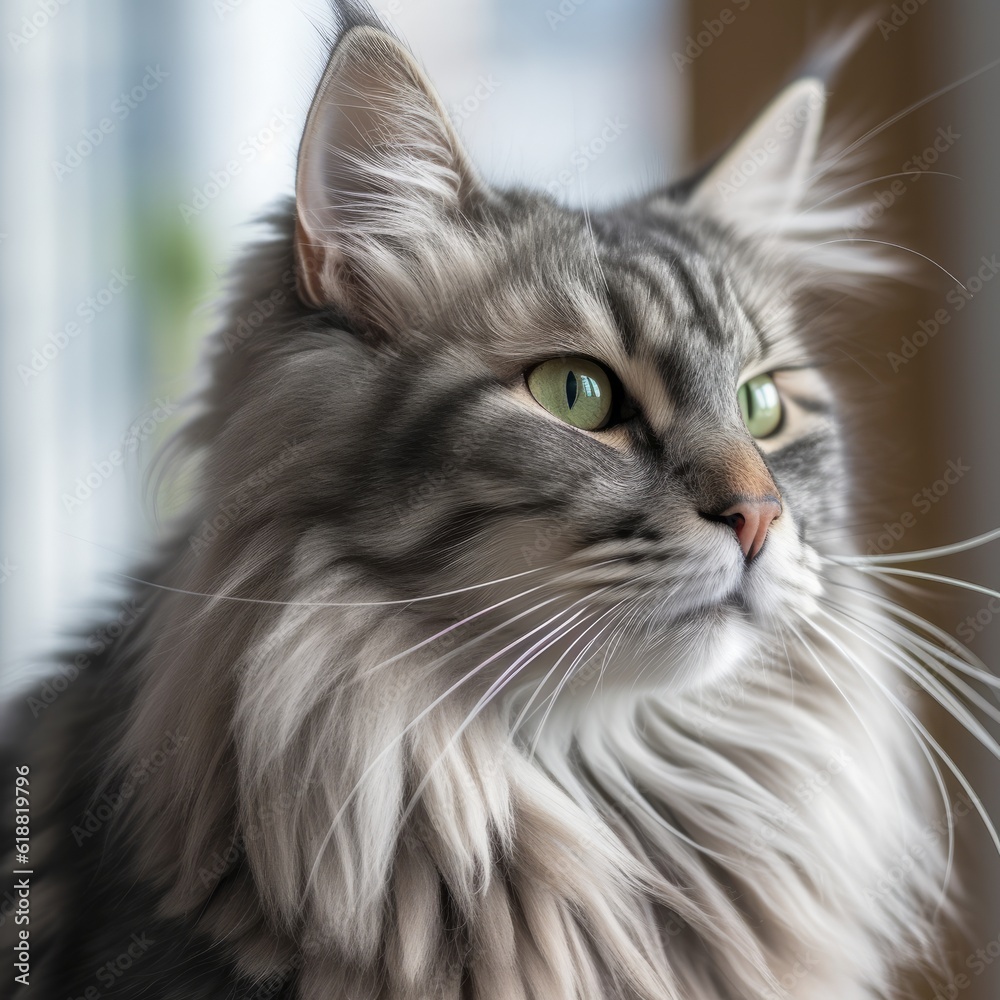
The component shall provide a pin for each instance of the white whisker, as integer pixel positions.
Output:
(921, 737)
(876, 746)
(969, 663)
(401, 735)
(899, 115)
(903, 557)
(914, 668)
(495, 688)
(876, 180)
(360, 604)
(518, 722)
(945, 758)
(896, 246)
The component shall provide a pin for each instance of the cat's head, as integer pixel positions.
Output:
(606, 424)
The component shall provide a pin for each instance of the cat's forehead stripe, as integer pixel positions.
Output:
(694, 300)
(681, 324)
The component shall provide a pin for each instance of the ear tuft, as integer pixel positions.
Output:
(380, 169)
(765, 175)
(776, 183)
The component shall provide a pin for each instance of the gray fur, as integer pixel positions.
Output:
(612, 760)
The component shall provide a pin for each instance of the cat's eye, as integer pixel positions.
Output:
(760, 405)
(576, 390)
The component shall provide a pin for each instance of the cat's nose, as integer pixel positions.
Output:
(750, 519)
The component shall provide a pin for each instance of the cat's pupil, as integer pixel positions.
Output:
(571, 389)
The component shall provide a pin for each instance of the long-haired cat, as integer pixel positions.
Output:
(500, 655)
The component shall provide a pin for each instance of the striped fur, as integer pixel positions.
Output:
(473, 704)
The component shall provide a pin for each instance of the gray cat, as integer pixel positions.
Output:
(499, 656)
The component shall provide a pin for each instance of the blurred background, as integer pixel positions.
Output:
(143, 140)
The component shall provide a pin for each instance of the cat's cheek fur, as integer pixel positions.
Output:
(785, 581)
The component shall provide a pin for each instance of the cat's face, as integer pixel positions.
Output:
(540, 407)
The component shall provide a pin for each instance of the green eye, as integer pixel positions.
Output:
(760, 405)
(573, 389)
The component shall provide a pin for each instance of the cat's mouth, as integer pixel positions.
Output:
(688, 647)
(733, 604)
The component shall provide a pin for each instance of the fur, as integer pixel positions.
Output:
(434, 696)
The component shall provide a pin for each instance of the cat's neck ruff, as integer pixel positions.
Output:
(669, 843)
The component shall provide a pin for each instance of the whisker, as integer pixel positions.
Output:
(915, 669)
(902, 557)
(945, 758)
(892, 119)
(876, 746)
(932, 657)
(478, 614)
(620, 624)
(897, 246)
(361, 604)
(921, 737)
(521, 718)
(495, 688)
(969, 663)
(518, 722)
(931, 578)
(367, 673)
(570, 670)
(623, 625)
(549, 700)
(876, 180)
(421, 716)
(400, 736)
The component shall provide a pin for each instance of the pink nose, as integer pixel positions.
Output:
(750, 519)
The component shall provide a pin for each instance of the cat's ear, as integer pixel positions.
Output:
(380, 168)
(764, 175)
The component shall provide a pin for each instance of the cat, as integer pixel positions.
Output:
(501, 654)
